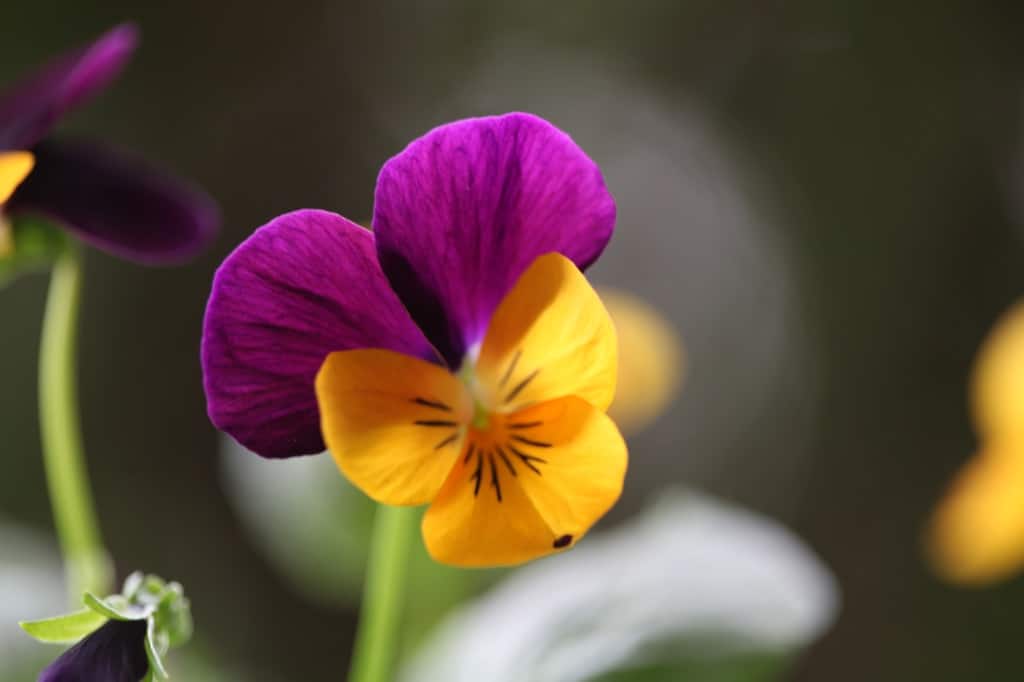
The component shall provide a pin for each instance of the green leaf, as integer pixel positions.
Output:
(751, 667)
(65, 629)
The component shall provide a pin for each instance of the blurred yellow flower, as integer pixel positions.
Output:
(14, 168)
(977, 533)
(651, 360)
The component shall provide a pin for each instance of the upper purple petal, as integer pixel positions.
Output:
(117, 202)
(114, 653)
(30, 108)
(302, 286)
(465, 209)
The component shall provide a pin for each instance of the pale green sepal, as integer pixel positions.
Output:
(153, 647)
(132, 584)
(28, 244)
(174, 613)
(116, 607)
(66, 629)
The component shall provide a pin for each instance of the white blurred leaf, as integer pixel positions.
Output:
(692, 580)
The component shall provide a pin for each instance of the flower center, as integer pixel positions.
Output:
(481, 419)
(498, 444)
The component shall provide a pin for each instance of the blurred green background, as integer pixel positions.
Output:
(824, 197)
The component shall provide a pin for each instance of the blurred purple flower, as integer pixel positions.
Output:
(116, 652)
(109, 199)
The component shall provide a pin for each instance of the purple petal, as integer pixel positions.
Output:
(117, 202)
(302, 286)
(114, 653)
(33, 106)
(465, 209)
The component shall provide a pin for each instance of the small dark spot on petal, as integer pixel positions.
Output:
(562, 541)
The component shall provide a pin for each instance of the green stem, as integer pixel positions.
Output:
(86, 563)
(383, 594)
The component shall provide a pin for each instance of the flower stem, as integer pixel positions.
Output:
(86, 564)
(383, 594)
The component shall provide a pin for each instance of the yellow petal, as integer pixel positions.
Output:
(393, 423)
(651, 361)
(14, 168)
(550, 337)
(977, 534)
(531, 484)
(997, 386)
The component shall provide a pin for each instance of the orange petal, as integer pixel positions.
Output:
(393, 423)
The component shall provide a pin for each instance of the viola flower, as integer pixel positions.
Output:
(105, 197)
(455, 355)
(119, 638)
(977, 534)
(14, 168)
(116, 652)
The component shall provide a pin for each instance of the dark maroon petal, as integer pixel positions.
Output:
(117, 202)
(30, 108)
(465, 209)
(302, 286)
(116, 652)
